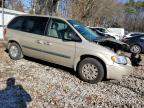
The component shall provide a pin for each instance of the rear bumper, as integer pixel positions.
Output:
(118, 71)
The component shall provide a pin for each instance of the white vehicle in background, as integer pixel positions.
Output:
(120, 32)
(106, 32)
(8, 16)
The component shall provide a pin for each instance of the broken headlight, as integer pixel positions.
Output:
(119, 59)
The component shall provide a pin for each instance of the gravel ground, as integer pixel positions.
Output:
(52, 86)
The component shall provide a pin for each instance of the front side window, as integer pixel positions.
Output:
(59, 29)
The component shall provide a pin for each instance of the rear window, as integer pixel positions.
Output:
(30, 24)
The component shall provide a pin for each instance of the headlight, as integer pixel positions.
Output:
(119, 59)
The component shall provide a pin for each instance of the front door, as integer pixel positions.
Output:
(59, 48)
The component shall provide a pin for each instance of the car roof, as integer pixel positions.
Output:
(56, 17)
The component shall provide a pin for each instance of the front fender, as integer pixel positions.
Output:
(106, 60)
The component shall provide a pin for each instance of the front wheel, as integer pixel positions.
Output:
(91, 70)
(15, 51)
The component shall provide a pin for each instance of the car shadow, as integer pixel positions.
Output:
(14, 96)
(66, 69)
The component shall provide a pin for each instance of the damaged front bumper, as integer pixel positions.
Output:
(120, 48)
(119, 71)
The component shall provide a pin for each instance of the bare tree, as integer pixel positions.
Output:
(46, 7)
(18, 5)
(97, 12)
(134, 16)
(0, 3)
(14, 5)
(134, 22)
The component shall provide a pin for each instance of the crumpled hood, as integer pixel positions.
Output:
(112, 43)
(100, 39)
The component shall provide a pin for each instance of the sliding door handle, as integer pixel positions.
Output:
(48, 43)
(39, 42)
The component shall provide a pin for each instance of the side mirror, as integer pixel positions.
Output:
(72, 36)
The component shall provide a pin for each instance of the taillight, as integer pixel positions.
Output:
(4, 34)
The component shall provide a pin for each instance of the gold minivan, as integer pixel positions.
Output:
(64, 42)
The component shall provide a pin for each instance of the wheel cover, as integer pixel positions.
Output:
(13, 51)
(90, 71)
(135, 49)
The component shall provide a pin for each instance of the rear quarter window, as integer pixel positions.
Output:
(16, 23)
(30, 24)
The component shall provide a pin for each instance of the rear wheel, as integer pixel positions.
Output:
(91, 70)
(15, 51)
(135, 49)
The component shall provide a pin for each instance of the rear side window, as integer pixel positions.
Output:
(16, 23)
(30, 24)
(35, 25)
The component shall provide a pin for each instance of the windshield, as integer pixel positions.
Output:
(83, 30)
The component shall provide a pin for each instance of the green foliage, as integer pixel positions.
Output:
(133, 4)
(132, 7)
(139, 4)
(131, 10)
(134, 20)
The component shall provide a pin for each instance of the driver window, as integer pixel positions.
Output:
(59, 29)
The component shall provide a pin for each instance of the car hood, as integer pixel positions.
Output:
(112, 43)
(100, 39)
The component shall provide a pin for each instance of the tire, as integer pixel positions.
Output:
(15, 51)
(91, 70)
(135, 49)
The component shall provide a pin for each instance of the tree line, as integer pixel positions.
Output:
(106, 13)
(110, 13)
(134, 16)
